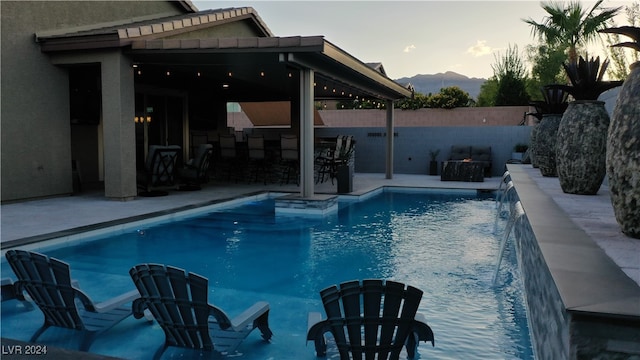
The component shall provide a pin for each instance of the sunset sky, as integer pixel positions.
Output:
(411, 37)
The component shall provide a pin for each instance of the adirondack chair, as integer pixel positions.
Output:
(372, 318)
(47, 282)
(178, 301)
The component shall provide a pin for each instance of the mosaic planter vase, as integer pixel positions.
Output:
(533, 145)
(623, 155)
(546, 142)
(581, 146)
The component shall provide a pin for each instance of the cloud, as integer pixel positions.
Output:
(409, 48)
(480, 49)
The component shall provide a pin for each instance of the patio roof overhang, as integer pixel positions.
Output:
(264, 68)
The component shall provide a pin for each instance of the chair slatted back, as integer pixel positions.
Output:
(370, 318)
(178, 301)
(162, 163)
(288, 147)
(255, 143)
(202, 159)
(48, 283)
(227, 145)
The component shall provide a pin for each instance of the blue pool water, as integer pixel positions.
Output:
(441, 242)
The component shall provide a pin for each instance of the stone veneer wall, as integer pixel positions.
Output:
(548, 320)
(572, 315)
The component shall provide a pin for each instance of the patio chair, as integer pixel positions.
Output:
(341, 155)
(257, 157)
(159, 170)
(196, 170)
(47, 282)
(178, 301)
(385, 312)
(228, 155)
(289, 157)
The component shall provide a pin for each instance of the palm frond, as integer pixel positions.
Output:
(630, 31)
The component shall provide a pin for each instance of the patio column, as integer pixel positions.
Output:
(390, 132)
(118, 96)
(306, 133)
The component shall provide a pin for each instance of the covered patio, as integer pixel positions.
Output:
(181, 56)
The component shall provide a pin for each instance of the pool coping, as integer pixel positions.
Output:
(589, 282)
(6, 245)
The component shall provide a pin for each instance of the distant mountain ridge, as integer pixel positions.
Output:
(425, 84)
(432, 83)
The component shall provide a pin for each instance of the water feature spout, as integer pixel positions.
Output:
(516, 212)
(506, 196)
(506, 177)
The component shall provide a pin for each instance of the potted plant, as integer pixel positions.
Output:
(537, 115)
(344, 166)
(582, 133)
(518, 151)
(433, 163)
(544, 143)
(623, 144)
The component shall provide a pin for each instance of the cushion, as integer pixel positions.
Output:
(459, 152)
(481, 153)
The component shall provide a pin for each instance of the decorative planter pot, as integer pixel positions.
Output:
(533, 143)
(581, 146)
(623, 155)
(433, 167)
(546, 142)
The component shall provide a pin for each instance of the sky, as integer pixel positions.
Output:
(412, 37)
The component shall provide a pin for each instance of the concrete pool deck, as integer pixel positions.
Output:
(38, 220)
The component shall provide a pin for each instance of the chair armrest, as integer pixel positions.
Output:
(9, 291)
(422, 330)
(117, 301)
(316, 328)
(249, 316)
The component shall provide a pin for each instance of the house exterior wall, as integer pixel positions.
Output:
(36, 135)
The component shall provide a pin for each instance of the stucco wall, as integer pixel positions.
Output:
(412, 145)
(36, 135)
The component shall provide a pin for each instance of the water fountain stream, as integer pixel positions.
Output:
(516, 212)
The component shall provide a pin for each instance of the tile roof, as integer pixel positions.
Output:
(153, 26)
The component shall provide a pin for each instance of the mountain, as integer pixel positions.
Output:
(426, 83)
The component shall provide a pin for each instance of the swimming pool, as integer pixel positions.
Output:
(442, 242)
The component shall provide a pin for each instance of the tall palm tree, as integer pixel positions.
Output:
(570, 26)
